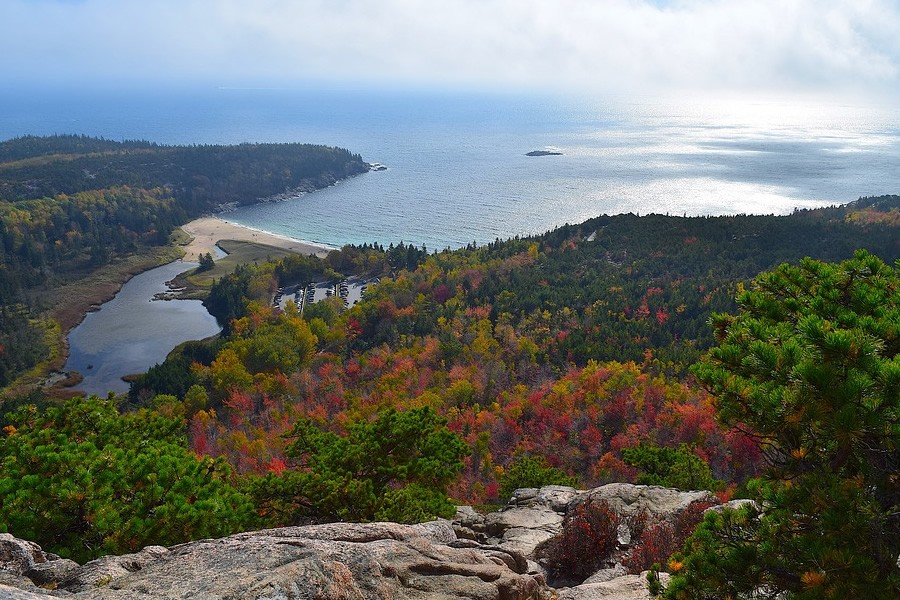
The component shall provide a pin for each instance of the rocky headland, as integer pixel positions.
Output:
(477, 556)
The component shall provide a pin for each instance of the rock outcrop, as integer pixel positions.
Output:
(341, 560)
(25, 564)
(476, 556)
(658, 502)
(626, 587)
(533, 516)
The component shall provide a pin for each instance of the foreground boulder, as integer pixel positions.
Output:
(534, 518)
(660, 504)
(626, 587)
(25, 564)
(341, 560)
(534, 515)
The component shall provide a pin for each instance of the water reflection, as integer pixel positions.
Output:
(132, 332)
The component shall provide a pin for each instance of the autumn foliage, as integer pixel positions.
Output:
(588, 538)
(572, 352)
(560, 358)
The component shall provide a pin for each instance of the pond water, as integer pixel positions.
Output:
(132, 332)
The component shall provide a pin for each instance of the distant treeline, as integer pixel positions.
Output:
(69, 204)
(200, 178)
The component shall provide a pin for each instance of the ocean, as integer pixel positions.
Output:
(457, 170)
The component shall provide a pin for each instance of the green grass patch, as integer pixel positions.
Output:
(239, 253)
(179, 237)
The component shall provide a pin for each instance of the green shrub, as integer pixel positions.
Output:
(83, 480)
(531, 472)
(812, 366)
(396, 467)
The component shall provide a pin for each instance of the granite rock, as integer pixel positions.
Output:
(339, 560)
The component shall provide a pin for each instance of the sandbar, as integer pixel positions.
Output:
(208, 231)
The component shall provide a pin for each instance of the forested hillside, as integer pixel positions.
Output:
(199, 177)
(559, 358)
(71, 204)
(570, 350)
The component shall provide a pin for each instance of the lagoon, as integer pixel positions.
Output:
(133, 331)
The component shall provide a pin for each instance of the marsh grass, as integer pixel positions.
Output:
(66, 304)
(239, 253)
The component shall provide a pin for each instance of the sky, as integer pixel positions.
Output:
(840, 46)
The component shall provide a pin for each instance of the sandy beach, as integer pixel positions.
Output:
(207, 231)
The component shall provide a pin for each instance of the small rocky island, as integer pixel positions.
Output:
(543, 153)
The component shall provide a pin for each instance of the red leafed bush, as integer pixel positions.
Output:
(655, 544)
(588, 538)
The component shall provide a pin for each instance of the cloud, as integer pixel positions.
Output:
(602, 45)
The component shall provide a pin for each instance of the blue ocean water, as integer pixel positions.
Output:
(457, 170)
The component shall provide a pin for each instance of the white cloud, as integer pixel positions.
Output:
(604, 45)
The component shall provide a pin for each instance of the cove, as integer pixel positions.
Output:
(132, 332)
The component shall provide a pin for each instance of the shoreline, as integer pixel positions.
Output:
(207, 232)
(75, 300)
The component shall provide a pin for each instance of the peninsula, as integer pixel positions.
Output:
(81, 215)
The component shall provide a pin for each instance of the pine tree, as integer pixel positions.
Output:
(83, 481)
(206, 262)
(812, 366)
(394, 468)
